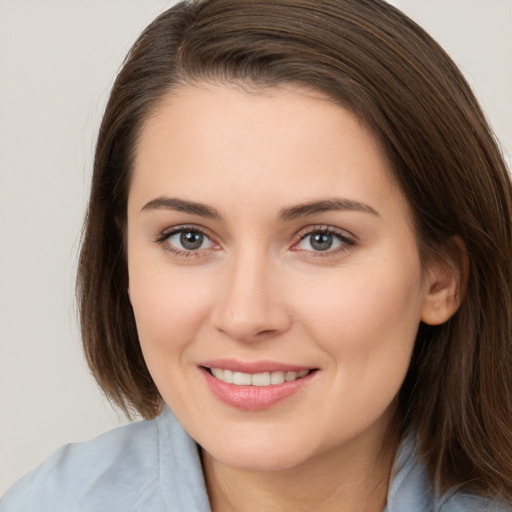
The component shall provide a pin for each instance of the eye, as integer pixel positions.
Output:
(186, 241)
(324, 240)
(189, 240)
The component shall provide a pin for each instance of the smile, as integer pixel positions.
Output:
(256, 379)
(259, 387)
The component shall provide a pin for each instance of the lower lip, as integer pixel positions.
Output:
(254, 398)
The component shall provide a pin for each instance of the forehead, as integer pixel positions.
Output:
(293, 144)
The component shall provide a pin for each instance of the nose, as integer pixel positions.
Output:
(251, 303)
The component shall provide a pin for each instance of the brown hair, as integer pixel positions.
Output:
(372, 59)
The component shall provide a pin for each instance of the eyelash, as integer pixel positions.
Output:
(165, 235)
(346, 240)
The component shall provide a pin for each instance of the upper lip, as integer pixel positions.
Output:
(254, 366)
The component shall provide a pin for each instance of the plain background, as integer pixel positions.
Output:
(58, 59)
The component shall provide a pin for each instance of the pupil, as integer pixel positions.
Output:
(321, 241)
(191, 240)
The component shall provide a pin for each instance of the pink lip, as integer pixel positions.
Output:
(253, 398)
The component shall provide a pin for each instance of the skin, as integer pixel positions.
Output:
(257, 289)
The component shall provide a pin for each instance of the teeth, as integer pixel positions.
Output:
(260, 379)
(242, 379)
(256, 379)
(218, 373)
(276, 377)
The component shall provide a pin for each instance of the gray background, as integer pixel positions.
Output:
(58, 59)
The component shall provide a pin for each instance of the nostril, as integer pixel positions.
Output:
(265, 333)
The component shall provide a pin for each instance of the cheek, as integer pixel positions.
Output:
(367, 316)
(169, 312)
(366, 323)
(169, 307)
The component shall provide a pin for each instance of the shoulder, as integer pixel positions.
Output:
(411, 490)
(465, 502)
(115, 471)
(150, 465)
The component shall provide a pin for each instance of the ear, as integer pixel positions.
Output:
(445, 283)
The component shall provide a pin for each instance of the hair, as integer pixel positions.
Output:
(371, 59)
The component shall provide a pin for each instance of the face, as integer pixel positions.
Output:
(274, 275)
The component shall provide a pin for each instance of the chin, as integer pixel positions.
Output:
(259, 462)
(260, 455)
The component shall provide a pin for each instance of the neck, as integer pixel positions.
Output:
(343, 480)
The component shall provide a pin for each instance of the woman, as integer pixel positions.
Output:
(298, 241)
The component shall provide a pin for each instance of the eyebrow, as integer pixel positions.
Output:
(286, 214)
(326, 205)
(181, 205)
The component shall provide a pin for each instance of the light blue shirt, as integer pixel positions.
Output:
(154, 466)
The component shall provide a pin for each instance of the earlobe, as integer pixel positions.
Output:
(446, 284)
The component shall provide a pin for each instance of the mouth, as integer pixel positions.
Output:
(263, 379)
(259, 387)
